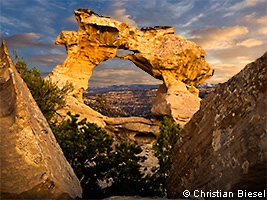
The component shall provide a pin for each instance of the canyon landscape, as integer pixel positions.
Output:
(222, 145)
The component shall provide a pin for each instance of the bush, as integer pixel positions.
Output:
(168, 136)
(107, 170)
(125, 173)
(88, 149)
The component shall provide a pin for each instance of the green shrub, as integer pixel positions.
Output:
(163, 147)
(47, 94)
(89, 150)
(125, 172)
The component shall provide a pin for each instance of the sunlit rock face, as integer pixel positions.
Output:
(223, 146)
(156, 50)
(32, 164)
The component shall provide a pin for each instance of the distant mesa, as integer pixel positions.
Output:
(108, 88)
(179, 63)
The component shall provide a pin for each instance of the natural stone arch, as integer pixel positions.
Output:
(179, 63)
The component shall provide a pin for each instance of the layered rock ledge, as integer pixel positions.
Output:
(179, 63)
(32, 164)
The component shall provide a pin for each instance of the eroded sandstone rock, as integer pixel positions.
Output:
(126, 128)
(157, 51)
(32, 164)
(223, 146)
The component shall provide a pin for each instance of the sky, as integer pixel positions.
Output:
(232, 32)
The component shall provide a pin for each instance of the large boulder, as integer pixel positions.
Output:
(157, 51)
(32, 164)
(223, 146)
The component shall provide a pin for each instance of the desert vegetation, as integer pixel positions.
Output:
(47, 94)
(105, 167)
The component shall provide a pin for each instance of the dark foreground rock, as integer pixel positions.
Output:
(32, 163)
(223, 147)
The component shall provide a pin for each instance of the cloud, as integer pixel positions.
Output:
(194, 19)
(262, 20)
(228, 62)
(252, 19)
(35, 51)
(11, 21)
(120, 72)
(223, 72)
(116, 72)
(178, 8)
(162, 12)
(262, 31)
(218, 38)
(119, 13)
(249, 43)
(48, 60)
(239, 55)
(251, 2)
(26, 40)
(23, 40)
(122, 78)
(71, 19)
(239, 5)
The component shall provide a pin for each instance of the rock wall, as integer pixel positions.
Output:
(32, 164)
(223, 146)
(157, 51)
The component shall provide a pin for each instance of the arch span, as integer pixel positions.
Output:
(179, 63)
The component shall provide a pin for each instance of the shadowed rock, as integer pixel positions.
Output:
(223, 146)
(32, 163)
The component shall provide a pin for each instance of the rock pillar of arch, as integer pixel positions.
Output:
(179, 63)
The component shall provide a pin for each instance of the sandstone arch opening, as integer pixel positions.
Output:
(178, 62)
(117, 88)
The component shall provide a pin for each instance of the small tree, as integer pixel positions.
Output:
(47, 94)
(168, 136)
(90, 151)
(125, 172)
